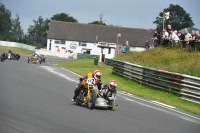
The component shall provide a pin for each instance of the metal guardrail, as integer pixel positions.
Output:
(109, 62)
(185, 86)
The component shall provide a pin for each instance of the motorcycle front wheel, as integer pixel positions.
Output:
(92, 99)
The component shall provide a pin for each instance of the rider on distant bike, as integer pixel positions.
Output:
(96, 75)
(109, 91)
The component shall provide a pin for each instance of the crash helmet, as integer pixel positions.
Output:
(112, 85)
(97, 74)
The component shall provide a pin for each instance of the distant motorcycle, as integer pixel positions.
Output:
(3, 57)
(14, 56)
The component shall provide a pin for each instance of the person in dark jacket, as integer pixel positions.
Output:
(109, 91)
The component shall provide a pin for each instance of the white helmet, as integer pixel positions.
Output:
(112, 85)
(97, 74)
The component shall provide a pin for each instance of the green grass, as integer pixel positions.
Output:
(15, 49)
(173, 60)
(82, 67)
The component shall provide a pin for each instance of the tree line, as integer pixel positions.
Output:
(11, 30)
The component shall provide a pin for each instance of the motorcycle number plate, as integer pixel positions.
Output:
(90, 81)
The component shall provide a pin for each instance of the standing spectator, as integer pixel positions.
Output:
(197, 35)
(147, 44)
(121, 48)
(165, 38)
(186, 38)
(169, 28)
(124, 48)
(155, 39)
(158, 39)
(197, 39)
(174, 38)
(117, 49)
(193, 39)
(127, 48)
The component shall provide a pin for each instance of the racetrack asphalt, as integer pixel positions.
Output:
(36, 98)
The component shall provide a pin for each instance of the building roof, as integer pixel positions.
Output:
(88, 32)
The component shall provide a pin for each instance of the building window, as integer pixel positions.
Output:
(59, 41)
(62, 41)
(83, 44)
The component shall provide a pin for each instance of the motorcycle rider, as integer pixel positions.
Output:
(96, 75)
(109, 91)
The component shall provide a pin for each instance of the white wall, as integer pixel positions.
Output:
(78, 49)
(19, 45)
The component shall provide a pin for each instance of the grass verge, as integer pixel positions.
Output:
(173, 60)
(82, 67)
(15, 49)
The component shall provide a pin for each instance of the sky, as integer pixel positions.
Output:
(124, 13)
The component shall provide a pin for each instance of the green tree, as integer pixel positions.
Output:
(40, 27)
(16, 30)
(97, 22)
(100, 22)
(178, 18)
(5, 22)
(64, 17)
(38, 32)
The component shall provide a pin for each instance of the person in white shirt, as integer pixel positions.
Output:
(187, 35)
(174, 38)
(186, 38)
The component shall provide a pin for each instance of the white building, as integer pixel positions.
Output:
(66, 39)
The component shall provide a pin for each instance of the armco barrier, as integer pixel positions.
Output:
(185, 86)
(85, 56)
(109, 62)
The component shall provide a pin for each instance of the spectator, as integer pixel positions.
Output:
(121, 48)
(151, 46)
(198, 39)
(193, 39)
(124, 47)
(155, 38)
(169, 28)
(174, 38)
(147, 44)
(117, 49)
(165, 38)
(158, 39)
(186, 38)
(127, 48)
(197, 35)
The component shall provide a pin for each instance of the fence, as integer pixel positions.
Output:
(185, 86)
(85, 56)
(109, 62)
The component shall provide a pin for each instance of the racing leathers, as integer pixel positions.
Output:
(109, 94)
(83, 85)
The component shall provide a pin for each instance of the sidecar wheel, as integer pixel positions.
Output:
(92, 100)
